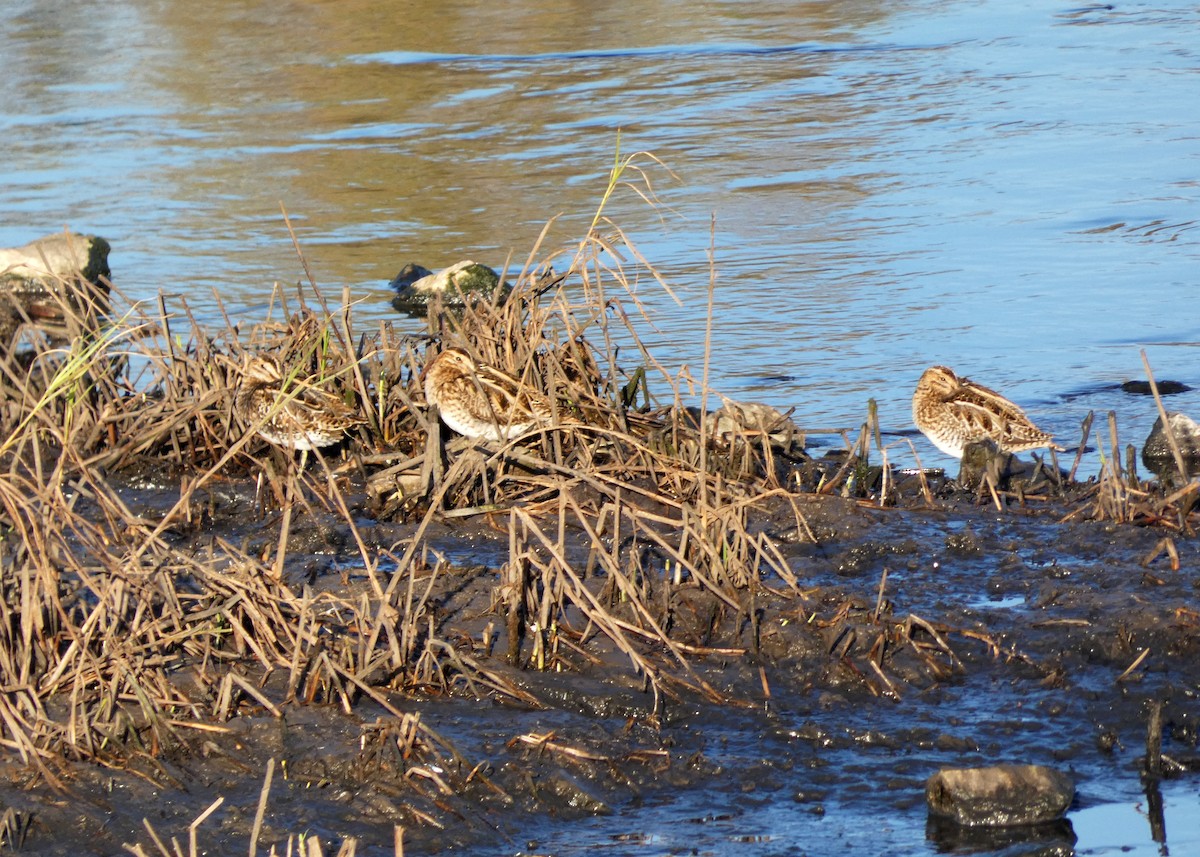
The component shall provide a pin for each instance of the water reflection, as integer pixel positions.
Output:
(1055, 837)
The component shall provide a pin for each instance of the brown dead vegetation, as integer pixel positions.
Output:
(119, 637)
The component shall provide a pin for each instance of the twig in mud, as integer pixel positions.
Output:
(853, 459)
(261, 811)
(937, 638)
(925, 492)
(1115, 456)
(1166, 544)
(891, 690)
(1142, 655)
(193, 850)
(1085, 433)
(546, 742)
(1153, 761)
(708, 324)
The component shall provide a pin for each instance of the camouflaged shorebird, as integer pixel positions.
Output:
(481, 402)
(954, 412)
(299, 417)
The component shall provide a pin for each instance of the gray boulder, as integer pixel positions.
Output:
(43, 280)
(62, 254)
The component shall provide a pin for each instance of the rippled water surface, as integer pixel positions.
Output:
(1010, 188)
(1007, 188)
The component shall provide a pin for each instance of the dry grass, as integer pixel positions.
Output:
(116, 629)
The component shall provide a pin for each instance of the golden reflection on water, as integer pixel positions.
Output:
(383, 160)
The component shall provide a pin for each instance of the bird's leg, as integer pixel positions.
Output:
(268, 473)
(258, 495)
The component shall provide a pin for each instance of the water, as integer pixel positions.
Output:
(795, 828)
(1009, 188)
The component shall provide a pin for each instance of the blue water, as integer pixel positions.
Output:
(736, 826)
(1006, 188)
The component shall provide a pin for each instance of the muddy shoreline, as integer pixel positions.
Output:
(1039, 622)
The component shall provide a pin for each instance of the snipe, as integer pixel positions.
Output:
(953, 412)
(295, 414)
(481, 402)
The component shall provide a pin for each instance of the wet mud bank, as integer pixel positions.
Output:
(945, 635)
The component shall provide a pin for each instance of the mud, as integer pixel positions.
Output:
(951, 634)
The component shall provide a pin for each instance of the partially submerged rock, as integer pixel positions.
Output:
(983, 462)
(1165, 388)
(999, 796)
(40, 280)
(416, 286)
(1156, 451)
(39, 263)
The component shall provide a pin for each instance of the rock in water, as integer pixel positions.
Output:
(1165, 388)
(999, 796)
(54, 256)
(981, 459)
(55, 272)
(1156, 451)
(416, 287)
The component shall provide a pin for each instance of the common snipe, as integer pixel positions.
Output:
(295, 414)
(481, 402)
(953, 412)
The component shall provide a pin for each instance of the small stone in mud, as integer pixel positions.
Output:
(569, 791)
(984, 462)
(1165, 388)
(999, 796)
(981, 459)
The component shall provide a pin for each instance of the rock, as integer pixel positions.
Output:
(62, 254)
(1156, 451)
(999, 796)
(36, 280)
(982, 460)
(416, 286)
(739, 418)
(1165, 388)
(570, 792)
